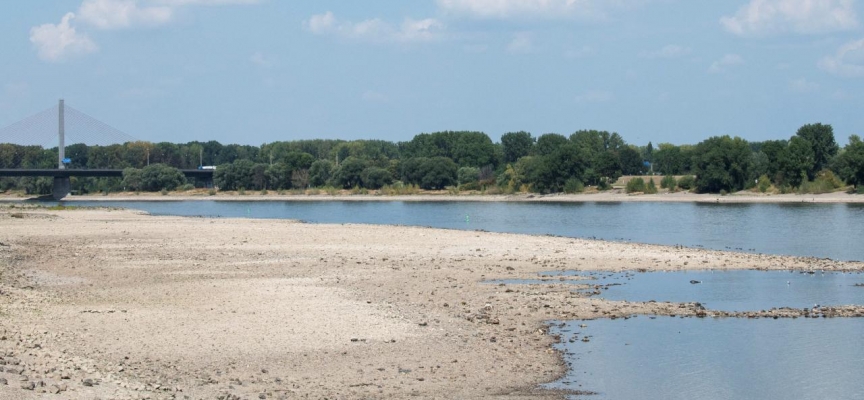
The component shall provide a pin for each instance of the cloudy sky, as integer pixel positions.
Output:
(256, 71)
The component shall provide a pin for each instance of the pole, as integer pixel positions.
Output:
(61, 146)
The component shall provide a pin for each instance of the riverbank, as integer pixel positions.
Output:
(612, 196)
(119, 304)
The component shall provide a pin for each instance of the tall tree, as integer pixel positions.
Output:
(821, 138)
(516, 145)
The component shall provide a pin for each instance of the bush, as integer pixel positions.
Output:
(763, 184)
(687, 182)
(211, 192)
(241, 191)
(375, 178)
(825, 182)
(668, 182)
(573, 185)
(264, 192)
(187, 187)
(164, 192)
(636, 185)
(468, 175)
(651, 188)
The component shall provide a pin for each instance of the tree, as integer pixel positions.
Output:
(300, 178)
(473, 149)
(631, 161)
(821, 139)
(516, 145)
(468, 175)
(132, 179)
(349, 173)
(320, 173)
(548, 143)
(156, 177)
(376, 178)
(850, 163)
(553, 171)
(437, 173)
(721, 163)
(795, 164)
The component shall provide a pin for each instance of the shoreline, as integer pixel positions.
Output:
(602, 197)
(137, 304)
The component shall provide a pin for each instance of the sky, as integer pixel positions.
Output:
(259, 71)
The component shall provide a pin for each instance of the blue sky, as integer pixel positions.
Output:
(257, 71)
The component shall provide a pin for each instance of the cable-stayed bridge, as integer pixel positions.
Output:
(57, 126)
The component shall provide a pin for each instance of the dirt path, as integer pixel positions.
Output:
(117, 304)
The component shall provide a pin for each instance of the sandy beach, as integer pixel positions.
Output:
(100, 303)
(611, 196)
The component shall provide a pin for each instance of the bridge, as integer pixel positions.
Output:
(52, 124)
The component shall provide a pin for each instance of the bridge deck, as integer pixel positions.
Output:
(65, 173)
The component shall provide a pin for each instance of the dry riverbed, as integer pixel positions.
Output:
(118, 304)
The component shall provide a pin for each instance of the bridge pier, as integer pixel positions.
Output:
(62, 187)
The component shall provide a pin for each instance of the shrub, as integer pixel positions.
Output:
(573, 185)
(187, 187)
(164, 192)
(668, 182)
(687, 182)
(468, 175)
(211, 192)
(651, 188)
(241, 191)
(764, 183)
(264, 192)
(636, 185)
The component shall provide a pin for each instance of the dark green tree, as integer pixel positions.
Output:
(548, 143)
(376, 178)
(349, 173)
(821, 139)
(320, 173)
(721, 163)
(156, 177)
(438, 173)
(850, 163)
(516, 145)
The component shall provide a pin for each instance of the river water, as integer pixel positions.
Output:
(663, 357)
(820, 230)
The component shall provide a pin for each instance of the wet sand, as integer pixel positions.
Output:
(119, 304)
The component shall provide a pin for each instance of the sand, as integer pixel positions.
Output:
(119, 304)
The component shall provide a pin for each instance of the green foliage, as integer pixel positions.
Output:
(825, 182)
(132, 179)
(548, 143)
(468, 175)
(764, 184)
(721, 163)
(349, 174)
(650, 188)
(636, 185)
(795, 163)
(516, 145)
(573, 185)
(821, 139)
(850, 164)
(241, 173)
(187, 187)
(320, 173)
(211, 192)
(156, 177)
(376, 178)
(687, 182)
(438, 173)
(668, 182)
(241, 191)
(164, 192)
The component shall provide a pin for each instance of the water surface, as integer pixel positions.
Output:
(707, 359)
(818, 230)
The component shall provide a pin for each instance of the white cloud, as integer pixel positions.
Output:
(595, 96)
(802, 85)
(767, 17)
(118, 14)
(521, 9)
(668, 51)
(724, 63)
(376, 30)
(848, 62)
(58, 42)
(521, 43)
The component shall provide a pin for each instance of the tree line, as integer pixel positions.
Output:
(550, 163)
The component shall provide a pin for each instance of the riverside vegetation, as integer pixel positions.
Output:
(809, 162)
